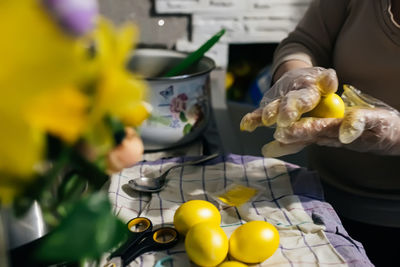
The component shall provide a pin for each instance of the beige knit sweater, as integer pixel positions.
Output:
(361, 41)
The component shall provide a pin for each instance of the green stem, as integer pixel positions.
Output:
(196, 55)
(34, 190)
(96, 177)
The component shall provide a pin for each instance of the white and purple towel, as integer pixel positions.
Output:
(291, 199)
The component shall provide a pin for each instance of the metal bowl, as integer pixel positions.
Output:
(181, 104)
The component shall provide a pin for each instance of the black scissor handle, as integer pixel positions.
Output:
(138, 228)
(139, 225)
(160, 239)
(165, 236)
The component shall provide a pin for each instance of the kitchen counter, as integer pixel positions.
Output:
(289, 197)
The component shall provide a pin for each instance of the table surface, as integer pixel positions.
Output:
(290, 197)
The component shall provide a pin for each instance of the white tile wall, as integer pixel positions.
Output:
(245, 21)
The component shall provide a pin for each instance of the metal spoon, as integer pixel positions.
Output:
(146, 184)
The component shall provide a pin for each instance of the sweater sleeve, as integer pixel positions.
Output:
(313, 39)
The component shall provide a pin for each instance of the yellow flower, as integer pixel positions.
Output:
(36, 54)
(135, 114)
(118, 92)
(37, 57)
(50, 84)
(21, 146)
(117, 89)
(61, 112)
(8, 193)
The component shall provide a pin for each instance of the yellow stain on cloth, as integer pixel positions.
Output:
(237, 195)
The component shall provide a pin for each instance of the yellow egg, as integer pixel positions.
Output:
(206, 244)
(193, 212)
(254, 242)
(232, 264)
(330, 106)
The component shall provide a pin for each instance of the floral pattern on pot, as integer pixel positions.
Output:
(180, 111)
(185, 114)
(178, 104)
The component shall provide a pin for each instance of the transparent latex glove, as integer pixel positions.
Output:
(369, 125)
(296, 92)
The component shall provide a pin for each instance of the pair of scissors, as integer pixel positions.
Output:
(142, 238)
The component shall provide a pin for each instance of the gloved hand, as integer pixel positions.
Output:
(296, 92)
(369, 125)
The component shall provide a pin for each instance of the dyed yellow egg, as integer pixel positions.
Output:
(232, 264)
(206, 244)
(193, 212)
(254, 242)
(330, 106)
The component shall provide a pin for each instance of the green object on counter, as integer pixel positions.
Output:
(87, 231)
(159, 263)
(196, 55)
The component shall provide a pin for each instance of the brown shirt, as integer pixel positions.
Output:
(361, 41)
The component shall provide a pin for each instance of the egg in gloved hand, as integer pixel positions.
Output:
(330, 106)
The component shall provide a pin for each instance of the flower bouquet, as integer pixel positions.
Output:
(68, 112)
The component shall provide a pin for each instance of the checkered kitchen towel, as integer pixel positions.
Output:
(291, 199)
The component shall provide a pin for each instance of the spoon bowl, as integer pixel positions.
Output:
(152, 185)
(146, 184)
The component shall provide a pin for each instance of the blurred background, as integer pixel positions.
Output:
(243, 55)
